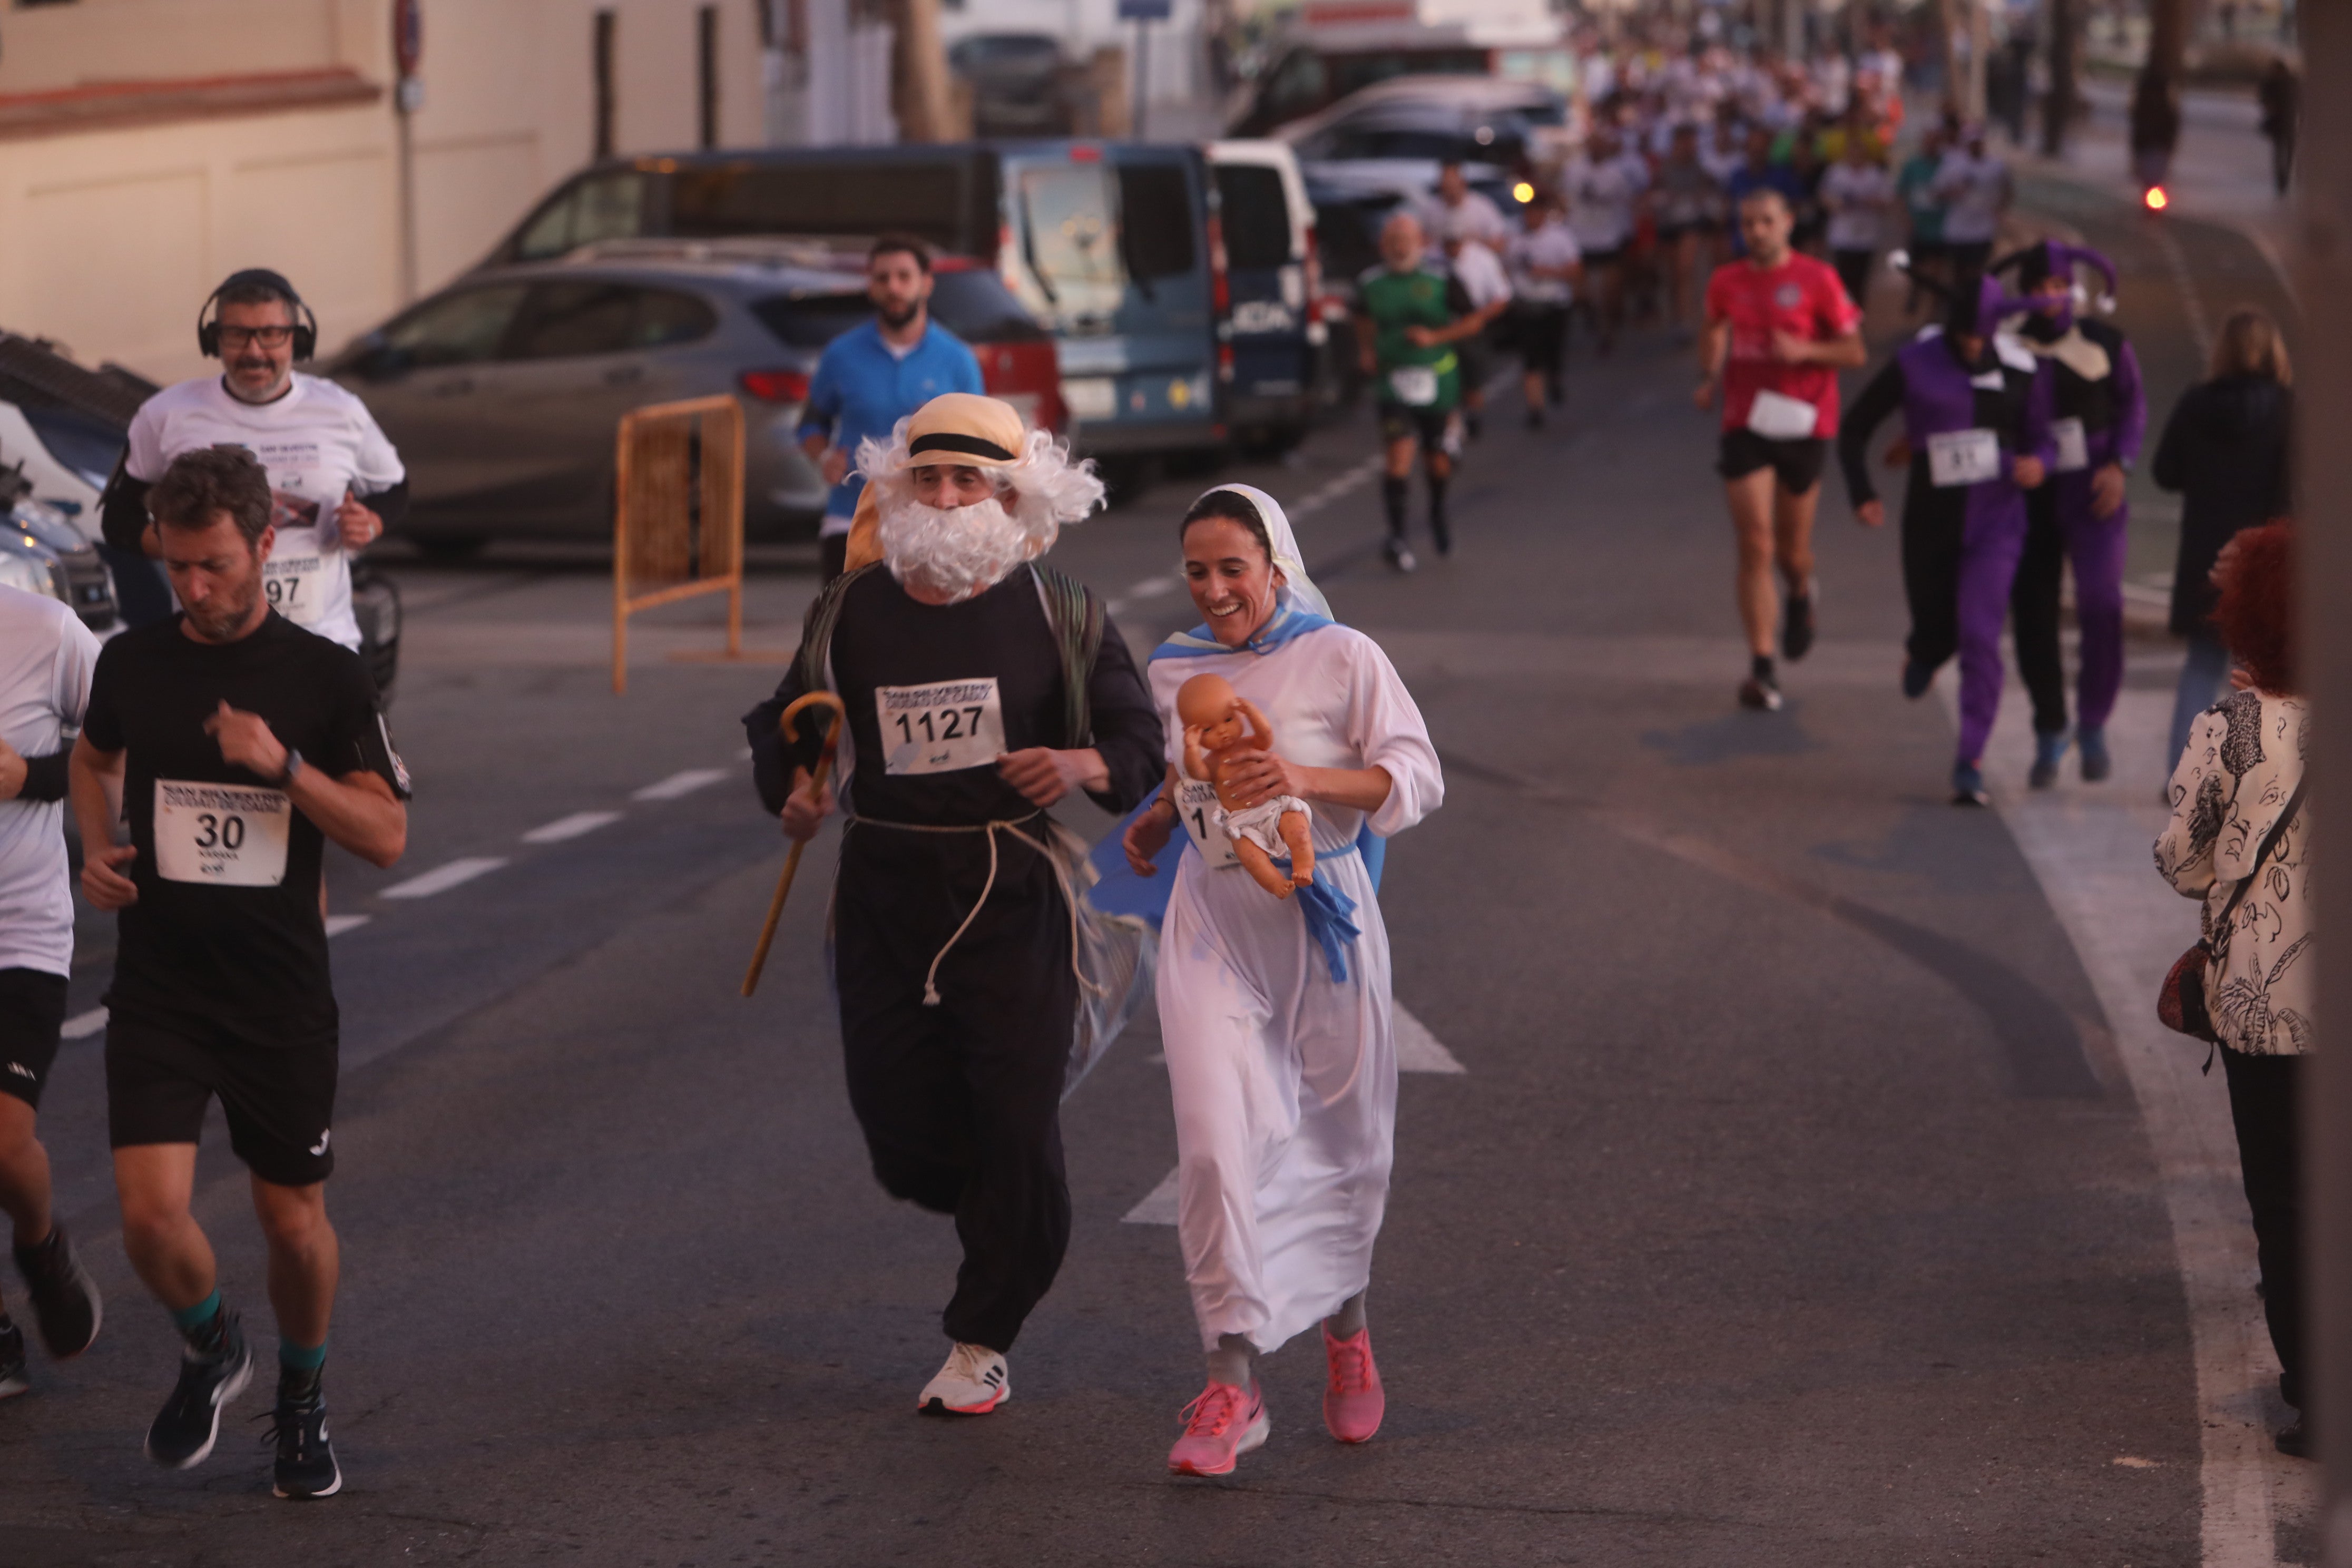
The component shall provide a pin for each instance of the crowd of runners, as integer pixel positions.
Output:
(1743, 204)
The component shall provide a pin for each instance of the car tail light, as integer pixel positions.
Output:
(1220, 287)
(1083, 153)
(777, 385)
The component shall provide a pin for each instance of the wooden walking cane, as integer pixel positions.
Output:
(792, 858)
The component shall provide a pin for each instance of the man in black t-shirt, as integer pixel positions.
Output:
(953, 928)
(240, 743)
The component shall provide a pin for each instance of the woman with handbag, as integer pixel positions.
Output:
(2241, 840)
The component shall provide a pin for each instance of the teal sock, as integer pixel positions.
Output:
(191, 1318)
(292, 1357)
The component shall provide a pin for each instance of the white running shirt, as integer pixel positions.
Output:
(1551, 246)
(317, 441)
(47, 656)
(1858, 197)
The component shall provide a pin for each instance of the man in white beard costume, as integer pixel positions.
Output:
(980, 688)
(1276, 1012)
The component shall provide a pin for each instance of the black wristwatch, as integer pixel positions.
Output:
(293, 765)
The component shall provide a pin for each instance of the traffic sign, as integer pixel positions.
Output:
(1145, 10)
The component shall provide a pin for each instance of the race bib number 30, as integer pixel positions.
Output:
(1196, 803)
(1963, 457)
(939, 728)
(225, 836)
(293, 584)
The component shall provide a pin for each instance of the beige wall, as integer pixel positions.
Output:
(119, 234)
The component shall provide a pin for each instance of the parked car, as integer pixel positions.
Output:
(1016, 82)
(1429, 121)
(1337, 50)
(504, 390)
(1273, 333)
(1108, 245)
(43, 553)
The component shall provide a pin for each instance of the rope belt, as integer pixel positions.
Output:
(992, 828)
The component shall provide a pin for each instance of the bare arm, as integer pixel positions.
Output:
(357, 810)
(1261, 775)
(90, 771)
(1845, 352)
(1259, 723)
(1149, 832)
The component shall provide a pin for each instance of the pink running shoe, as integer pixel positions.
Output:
(1352, 1401)
(1220, 1426)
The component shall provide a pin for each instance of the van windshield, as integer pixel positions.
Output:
(601, 206)
(1072, 266)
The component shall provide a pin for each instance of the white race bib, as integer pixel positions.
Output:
(1196, 803)
(1778, 418)
(225, 836)
(2074, 445)
(1416, 385)
(1963, 457)
(297, 586)
(939, 728)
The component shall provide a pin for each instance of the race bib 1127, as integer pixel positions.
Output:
(939, 728)
(224, 836)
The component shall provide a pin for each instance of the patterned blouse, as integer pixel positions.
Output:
(2244, 761)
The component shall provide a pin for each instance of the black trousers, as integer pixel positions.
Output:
(960, 1103)
(1933, 532)
(2033, 611)
(1854, 271)
(2265, 1094)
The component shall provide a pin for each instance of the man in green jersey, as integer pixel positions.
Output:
(1408, 319)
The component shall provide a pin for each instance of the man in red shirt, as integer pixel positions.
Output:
(1778, 326)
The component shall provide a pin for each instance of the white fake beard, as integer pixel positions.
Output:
(953, 553)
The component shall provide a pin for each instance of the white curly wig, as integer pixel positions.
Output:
(1052, 488)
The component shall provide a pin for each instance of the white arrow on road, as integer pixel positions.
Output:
(1417, 1050)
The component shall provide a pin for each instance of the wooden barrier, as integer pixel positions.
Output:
(678, 517)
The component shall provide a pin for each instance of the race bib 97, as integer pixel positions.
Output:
(1963, 457)
(1416, 385)
(1196, 803)
(226, 835)
(939, 728)
(2074, 445)
(294, 583)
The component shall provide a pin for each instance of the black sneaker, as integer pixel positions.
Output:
(14, 1379)
(306, 1461)
(1535, 418)
(187, 1425)
(65, 1297)
(1796, 627)
(1760, 692)
(2294, 1440)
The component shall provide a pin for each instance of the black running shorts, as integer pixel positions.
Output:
(1796, 464)
(32, 1010)
(279, 1101)
(1399, 423)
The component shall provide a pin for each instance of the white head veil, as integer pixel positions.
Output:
(1298, 591)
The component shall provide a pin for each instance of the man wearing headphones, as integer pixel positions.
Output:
(336, 482)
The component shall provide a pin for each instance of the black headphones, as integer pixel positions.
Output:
(306, 325)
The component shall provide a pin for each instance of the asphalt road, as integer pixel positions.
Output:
(1789, 1209)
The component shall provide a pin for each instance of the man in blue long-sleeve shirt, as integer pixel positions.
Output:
(876, 374)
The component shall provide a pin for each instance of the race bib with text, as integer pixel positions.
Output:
(1416, 385)
(226, 835)
(1196, 803)
(939, 728)
(1963, 457)
(2074, 445)
(1777, 416)
(295, 584)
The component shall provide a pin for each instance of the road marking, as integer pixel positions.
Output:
(338, 924)
(441, 878)
(571, 826)
(81, 1025)
(1417, 1050)
(676, 784)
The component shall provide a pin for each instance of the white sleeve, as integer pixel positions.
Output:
(77, 660)
(1386, 729)
(143, 457)
(375, 464)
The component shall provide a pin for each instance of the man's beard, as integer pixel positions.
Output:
(953, 553)
(893, 319)
(221, 619)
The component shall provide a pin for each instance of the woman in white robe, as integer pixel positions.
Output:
(1281, 1054)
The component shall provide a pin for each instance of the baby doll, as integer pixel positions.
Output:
(1215, 742)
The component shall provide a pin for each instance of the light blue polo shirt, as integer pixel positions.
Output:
(862, 388)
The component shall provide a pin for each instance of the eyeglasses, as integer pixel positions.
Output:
(234, 338)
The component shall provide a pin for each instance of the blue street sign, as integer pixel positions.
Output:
(1145, 10)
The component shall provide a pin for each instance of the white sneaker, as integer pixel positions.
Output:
(974, 1381)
